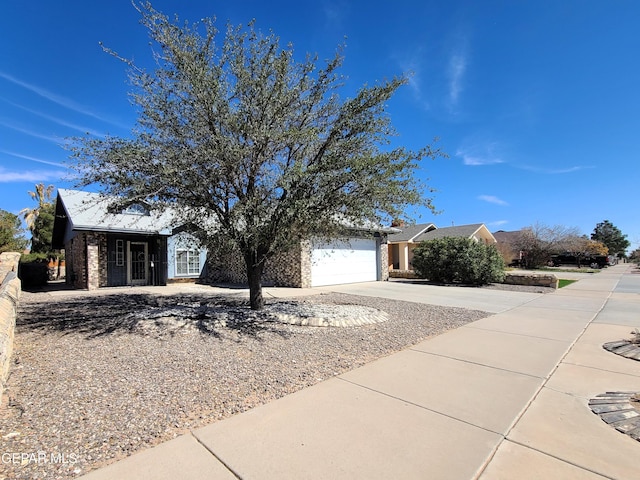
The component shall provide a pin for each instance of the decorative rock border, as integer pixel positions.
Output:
(626, 348)
(531, 279)
(319, 315)
(187, 316)
(616, 409)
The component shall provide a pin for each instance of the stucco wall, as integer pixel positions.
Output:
(9, 296)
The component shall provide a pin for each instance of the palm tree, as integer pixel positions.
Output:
(42, 195)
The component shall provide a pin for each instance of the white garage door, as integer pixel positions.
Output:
(337, 262)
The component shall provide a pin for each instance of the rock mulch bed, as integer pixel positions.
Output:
(97, 378)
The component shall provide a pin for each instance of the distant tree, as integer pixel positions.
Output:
(254, 147)
(634, 256)
(42, 195)
(11, 234)
(612, 237)
(458, 260)
(42, 230)
(39, 219)
(582, 248)
(539, 242)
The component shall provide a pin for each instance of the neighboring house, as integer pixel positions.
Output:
(507, 242)
(133, 246)
(401, 245)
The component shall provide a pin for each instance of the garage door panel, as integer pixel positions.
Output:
(337, 262)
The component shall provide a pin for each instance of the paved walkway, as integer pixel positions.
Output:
(505, 397)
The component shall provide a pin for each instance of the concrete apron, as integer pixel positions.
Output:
(503, 397)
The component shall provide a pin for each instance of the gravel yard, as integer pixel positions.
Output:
(97, 378)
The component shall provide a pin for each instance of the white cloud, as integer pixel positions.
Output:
(57, 120)
(478, 156)
(492, 199)
(31, 176)
(33, 159)
(411, 65)
(457, 68)
(554, 171)
(31, 133)
(58, 99)
(497, 223)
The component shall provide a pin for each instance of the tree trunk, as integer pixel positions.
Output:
(254, 276)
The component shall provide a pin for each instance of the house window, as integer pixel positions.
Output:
(136, 209)
(187, 262)
(119, 253)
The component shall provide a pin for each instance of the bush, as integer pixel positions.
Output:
(33, 270)
(458, 260)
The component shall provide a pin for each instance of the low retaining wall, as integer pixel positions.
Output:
(532, 279)
(402, 274)
(9, 295)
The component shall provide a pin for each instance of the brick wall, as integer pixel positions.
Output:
(86, 260)
(283, 270)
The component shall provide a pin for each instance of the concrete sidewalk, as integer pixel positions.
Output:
(505, 397)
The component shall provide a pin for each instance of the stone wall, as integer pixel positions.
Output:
(283, 270)
(383, 255)
(9, 296)
(87, 260)
(402, 274)
(531, 279)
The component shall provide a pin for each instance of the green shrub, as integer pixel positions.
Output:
(458, 260)
(33, 270)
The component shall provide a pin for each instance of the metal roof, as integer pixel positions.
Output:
(87, 211)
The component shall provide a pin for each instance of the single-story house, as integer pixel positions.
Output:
(136, 246)
(402, 244)
(133, 246)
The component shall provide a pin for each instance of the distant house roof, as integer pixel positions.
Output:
(410, 232)
(507, 237)
(464, 231)
(85, 211)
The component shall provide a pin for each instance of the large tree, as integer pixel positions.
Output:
(607, 233)
(253, 146)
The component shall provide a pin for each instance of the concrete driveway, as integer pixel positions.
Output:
(494, 301)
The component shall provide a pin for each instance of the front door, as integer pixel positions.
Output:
(138, 268)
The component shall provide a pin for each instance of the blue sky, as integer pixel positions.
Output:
(536, 102)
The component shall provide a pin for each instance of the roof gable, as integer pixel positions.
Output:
(410, 232)
(464, 231)
(85, 211)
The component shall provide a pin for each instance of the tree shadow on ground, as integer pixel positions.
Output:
(147, 315)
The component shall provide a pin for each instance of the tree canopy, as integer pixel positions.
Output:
(40, 219)
(539, 241)
(252, 146)
(607, 233)
(11, 235)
